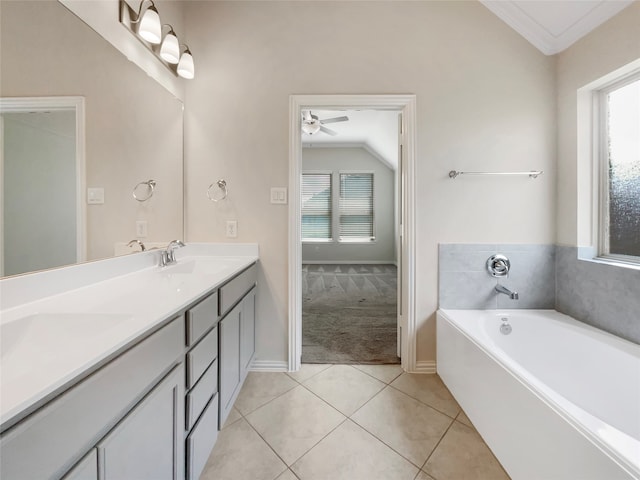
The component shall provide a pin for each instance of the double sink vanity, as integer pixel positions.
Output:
(123, 369)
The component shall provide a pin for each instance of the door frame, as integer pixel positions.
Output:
(406, 105)
(47, 104)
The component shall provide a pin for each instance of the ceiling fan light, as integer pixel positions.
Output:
(170, 49)
(311, 128)
(150, 27)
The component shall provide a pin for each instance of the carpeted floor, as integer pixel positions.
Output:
(349, 314)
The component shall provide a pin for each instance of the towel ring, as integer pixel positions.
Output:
(222, 185)
(144, 196)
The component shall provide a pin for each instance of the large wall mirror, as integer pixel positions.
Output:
(133, 133)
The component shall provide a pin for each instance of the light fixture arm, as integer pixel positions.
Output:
(139, 15)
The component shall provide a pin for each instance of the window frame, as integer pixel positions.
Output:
(357, 240)
(331, 237)
(601, 173)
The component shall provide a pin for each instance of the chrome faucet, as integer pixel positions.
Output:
(139, 243)
(502, 289)
(167, 256)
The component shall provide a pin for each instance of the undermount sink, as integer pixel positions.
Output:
(46, 332)
(198, 265)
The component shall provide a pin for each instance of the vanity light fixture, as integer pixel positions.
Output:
(150, 27)
(170, 48)
(186, 68)
(147, 27)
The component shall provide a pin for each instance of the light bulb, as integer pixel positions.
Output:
(170, 49)
(150, 27)
(185, 66)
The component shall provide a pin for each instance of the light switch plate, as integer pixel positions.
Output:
(279, 195)
(141, 229)
(95, 195)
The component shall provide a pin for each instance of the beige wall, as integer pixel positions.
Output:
(609, 47)
(133, 124)
(486, 101)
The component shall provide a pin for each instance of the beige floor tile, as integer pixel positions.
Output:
(408, 426)
(344, 387)
(462, 417)
(308, 370)
(424, 476)
(428, 389)
(294, 422)
(463, 455)
(260, 388)
(240, 453)
(350, 453)
(287, 475)
(234, 416)
(384, 373)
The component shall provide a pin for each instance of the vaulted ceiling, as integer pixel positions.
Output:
(549, 25)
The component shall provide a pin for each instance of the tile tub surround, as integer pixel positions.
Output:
(464, 282)
(599, 294)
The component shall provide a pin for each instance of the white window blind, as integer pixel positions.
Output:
(316, 206)
(356, 206)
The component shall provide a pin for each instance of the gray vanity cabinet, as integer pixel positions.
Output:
(201, 418)
(247, 332)
(47, 443)
(148, 442)
(229, 361)
(85, 469)
(237, 336)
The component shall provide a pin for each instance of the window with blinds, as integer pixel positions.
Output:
(356, 207)
(316, 206)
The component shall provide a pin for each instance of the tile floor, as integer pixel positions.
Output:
(349, 422)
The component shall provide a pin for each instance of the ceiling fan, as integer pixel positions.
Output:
(311, 124)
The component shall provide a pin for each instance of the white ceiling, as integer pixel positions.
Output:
(374, 130)
(553, 25)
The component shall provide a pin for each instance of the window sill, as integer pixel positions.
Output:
(588, 255)
(317, 240)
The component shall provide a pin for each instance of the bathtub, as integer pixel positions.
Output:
(553, 399)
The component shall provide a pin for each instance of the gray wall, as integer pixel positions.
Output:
(39, 183)
(545, 276)
(603, 295)
(466, 284)
(355, 159)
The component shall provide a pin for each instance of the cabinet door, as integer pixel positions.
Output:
(229, 360)
(247, 331)
(149, 442)
(85, 469)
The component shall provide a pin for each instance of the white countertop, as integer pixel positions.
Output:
(50, 340)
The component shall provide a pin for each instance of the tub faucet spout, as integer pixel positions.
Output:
(507, 292)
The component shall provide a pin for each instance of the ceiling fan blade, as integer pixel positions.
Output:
(327, 131)
(334, 120)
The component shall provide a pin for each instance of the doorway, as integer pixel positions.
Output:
(42, 190)
(404, 105)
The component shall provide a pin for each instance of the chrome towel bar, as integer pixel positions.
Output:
(532, 173)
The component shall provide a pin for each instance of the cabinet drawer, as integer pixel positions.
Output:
(201, 318)
(45, 443)
(201, 440)
(233, 291)
(201, 393)
(201, 356)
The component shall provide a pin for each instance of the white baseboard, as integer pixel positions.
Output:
(269, 366)
(425, 366)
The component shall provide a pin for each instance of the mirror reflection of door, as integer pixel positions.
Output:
(39, 190)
